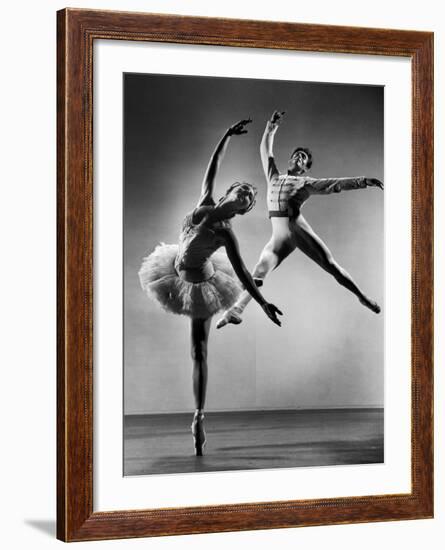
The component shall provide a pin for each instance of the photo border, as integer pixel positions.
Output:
(77, 30)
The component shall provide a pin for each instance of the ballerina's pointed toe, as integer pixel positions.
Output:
(199, 435)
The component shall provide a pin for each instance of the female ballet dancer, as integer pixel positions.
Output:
(286, 194)
(191, 279)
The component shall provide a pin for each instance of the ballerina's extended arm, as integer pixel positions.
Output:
(233, 252)
(208, 183)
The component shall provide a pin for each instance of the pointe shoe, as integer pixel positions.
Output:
(229, 317)
(198, 432)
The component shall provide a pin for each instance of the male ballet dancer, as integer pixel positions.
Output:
(286, 194)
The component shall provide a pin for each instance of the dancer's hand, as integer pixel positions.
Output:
(271, 311)
(239, 128)
(277, 117)
(374, 182)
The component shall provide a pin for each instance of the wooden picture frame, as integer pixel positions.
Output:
(77, 31)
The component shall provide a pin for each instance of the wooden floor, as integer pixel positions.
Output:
(162, 444)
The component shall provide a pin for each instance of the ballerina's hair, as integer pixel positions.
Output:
(254, 194)
(308, 153)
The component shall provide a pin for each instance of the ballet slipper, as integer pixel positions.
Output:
(370, 304)
(229, 317)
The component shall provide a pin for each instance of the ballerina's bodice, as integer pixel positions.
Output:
(197, 243)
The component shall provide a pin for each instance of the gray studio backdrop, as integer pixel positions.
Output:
(329, 351)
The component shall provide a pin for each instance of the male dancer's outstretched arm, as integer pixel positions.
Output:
(266, 147)
(326, 186)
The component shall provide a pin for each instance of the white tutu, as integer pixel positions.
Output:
(161, 282)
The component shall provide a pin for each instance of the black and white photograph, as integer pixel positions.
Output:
(253, 274)
(230, 219)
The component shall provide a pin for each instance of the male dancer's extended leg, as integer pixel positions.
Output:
(312, 245)
(272, 255)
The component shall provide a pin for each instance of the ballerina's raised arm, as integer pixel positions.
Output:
(208, 183)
